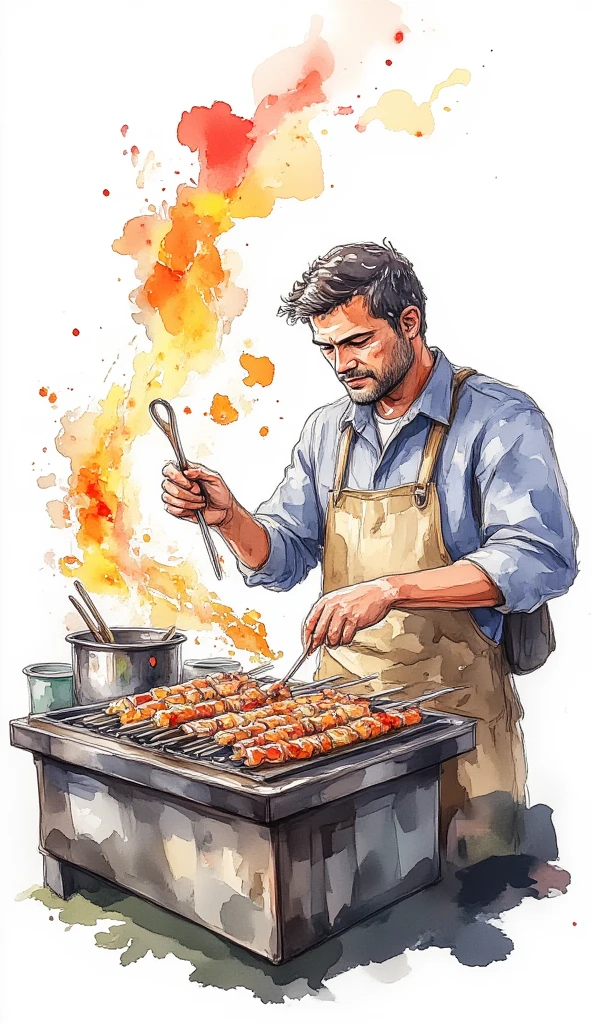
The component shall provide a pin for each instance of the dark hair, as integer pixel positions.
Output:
(383, 276)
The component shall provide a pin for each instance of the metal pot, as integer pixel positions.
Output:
(136, 662)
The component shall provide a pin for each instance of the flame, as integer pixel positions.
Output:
(186, 300)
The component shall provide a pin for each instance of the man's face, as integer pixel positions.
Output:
(368, 356)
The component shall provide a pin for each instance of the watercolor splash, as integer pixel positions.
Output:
(187, 299)
(399, 112)
(260, 370)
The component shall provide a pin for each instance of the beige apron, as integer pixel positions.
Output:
(380, 533)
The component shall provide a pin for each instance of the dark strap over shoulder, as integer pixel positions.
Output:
(435, 440)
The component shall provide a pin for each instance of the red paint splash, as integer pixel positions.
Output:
(124, 129)
(75, 332)
(43, 392)
(152, 661)
(419, 135)
(344, 110)
(106, 192)
(187, 410)
(388, 63)
(52, 398)
(135, 151)
(224, 143)
(399, 37)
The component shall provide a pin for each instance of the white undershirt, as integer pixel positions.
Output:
(385, 427)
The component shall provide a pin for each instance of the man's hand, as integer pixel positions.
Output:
(336, 618)
(196, 490)
(200, 490)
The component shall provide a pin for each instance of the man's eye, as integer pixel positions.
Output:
(326, 349)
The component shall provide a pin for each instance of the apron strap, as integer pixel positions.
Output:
(341, 463)
(436, 439)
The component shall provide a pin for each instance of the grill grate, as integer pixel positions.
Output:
(175, 743)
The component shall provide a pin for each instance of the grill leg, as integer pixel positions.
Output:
(59, 877)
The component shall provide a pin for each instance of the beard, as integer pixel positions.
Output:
(385, 382)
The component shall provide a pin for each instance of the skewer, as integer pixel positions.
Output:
(377, 696)
(415, 701)
(103, 628)
(259, 669)
(84, 615)
(297, 687)
(169, 634)
(320, 683)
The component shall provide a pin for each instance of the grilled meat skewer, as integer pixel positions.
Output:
(294, 708)
(223, 685)
(307, 747)
(248, 700)
(287, 730)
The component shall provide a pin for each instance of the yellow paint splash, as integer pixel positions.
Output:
(398, 111)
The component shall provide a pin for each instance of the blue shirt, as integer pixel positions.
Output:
(503, 500)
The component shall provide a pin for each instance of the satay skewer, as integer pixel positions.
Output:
(370, 727)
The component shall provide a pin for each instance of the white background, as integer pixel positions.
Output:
(492, 209)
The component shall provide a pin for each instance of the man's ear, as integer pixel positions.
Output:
(410, 321)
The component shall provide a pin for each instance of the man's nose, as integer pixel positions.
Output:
(344, 360)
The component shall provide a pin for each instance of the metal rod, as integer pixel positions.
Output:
(170, 429)
(414, 701)
(259, 669)
(300, 661)
(87, 619)
(104, 630)
(320, 683)
(316, 683)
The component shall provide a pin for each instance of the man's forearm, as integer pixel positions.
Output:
(245, 537)
(460, 585)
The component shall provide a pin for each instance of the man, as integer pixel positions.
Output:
(434, 500)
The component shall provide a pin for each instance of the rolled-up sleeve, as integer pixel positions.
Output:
(294, 522)
(528, 538)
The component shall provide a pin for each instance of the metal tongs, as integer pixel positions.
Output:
(95, 621)
(170, 428)
(99, 628)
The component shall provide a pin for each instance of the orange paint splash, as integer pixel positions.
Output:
(222, 410)
(186, 300)
(260, 370)
(264, 431)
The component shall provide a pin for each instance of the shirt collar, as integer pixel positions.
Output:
(433, 401)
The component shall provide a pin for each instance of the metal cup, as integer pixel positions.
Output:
(50, 686)
(197, 668)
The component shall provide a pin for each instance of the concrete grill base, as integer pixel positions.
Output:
(275, 889)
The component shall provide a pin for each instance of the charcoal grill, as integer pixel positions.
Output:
(276, 858)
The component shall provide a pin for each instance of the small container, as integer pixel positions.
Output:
(50, 686)
(138, 660)
(196, 669)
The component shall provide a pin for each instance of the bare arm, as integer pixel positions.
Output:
(245, 537)
(460, 585)
(336, 618)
